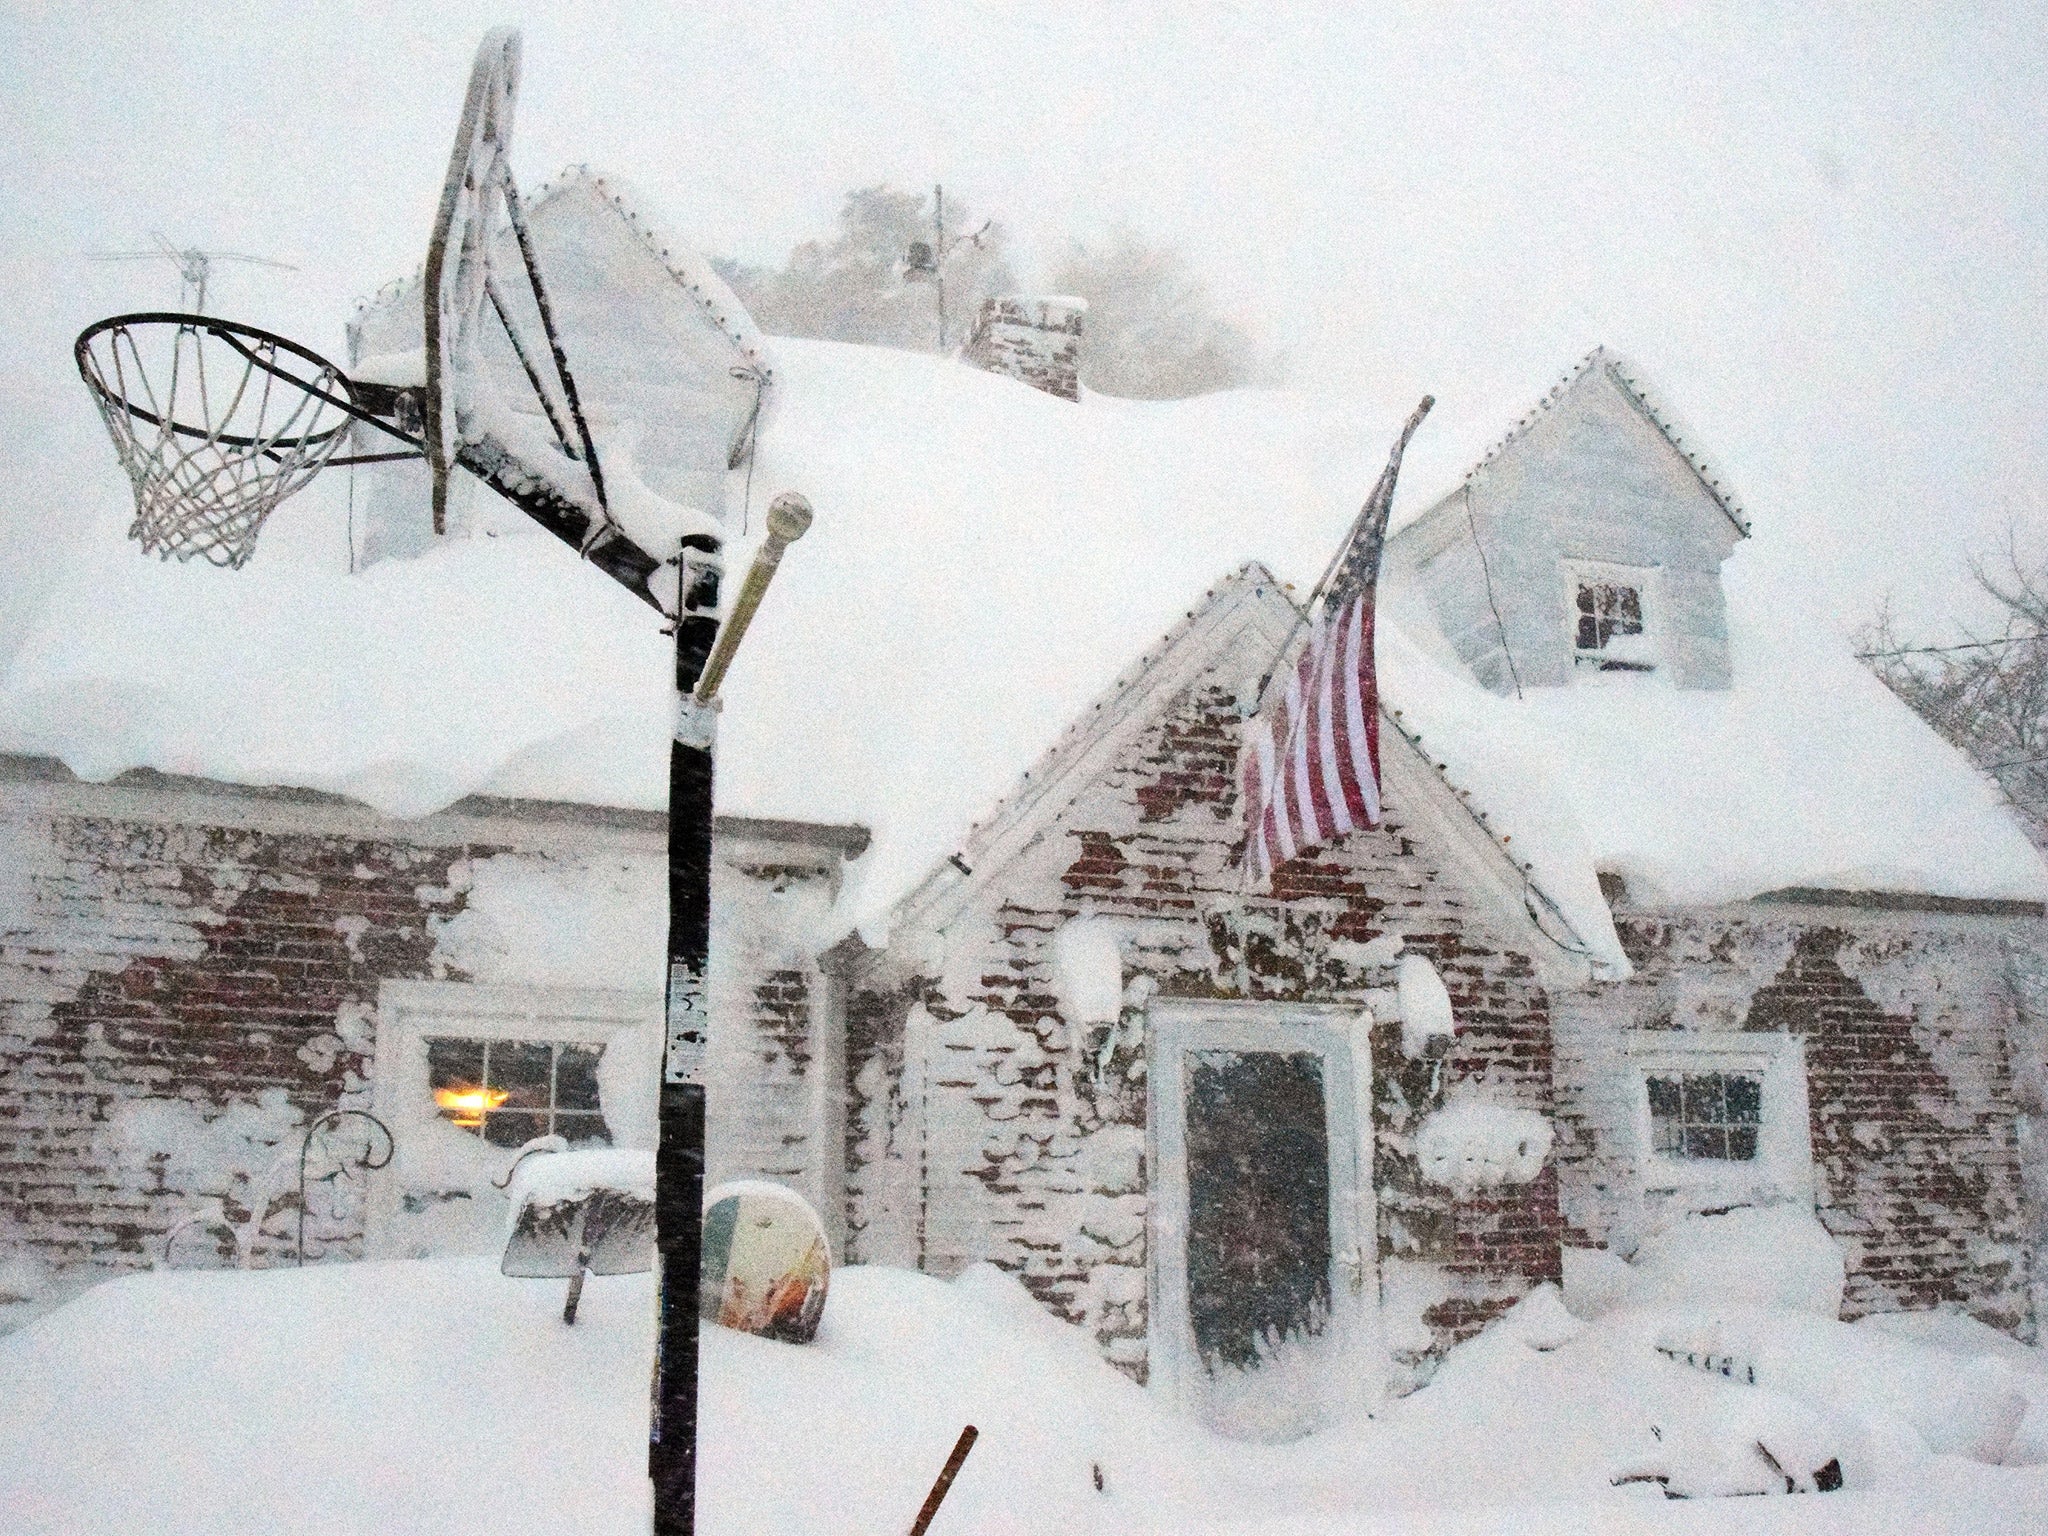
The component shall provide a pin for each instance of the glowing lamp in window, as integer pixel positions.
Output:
(466, 1106)
(510, 1091)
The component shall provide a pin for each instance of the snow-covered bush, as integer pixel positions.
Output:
(1958, 1406)
(1766, 1256)
(1718, 1439)
(1470, 1146)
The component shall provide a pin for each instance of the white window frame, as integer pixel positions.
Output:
(1783, 1165)
(409, 1013)
(1648, 581)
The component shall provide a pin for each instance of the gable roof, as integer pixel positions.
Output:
(574, 197)
(1245, 609)
(1236, 632)
(1601, 362)
(670, 370)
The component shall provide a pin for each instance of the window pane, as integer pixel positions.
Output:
(520, 1069)
(1742, 1143)
(1628, 611)
(1703, 1098)
(514, 1127)
(583, 1130)
(1703, 1141)
(455, 1074)
(1745, 1096)
(576, 1077)
(1664, 1115)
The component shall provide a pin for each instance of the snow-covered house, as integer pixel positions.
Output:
(1644, 930)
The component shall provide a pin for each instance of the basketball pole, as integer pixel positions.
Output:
(703, 650)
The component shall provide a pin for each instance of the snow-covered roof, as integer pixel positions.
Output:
(985, 562)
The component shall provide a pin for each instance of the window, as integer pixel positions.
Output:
(1717, 1115)
(1706, 1115)
(467, 1073)
(1610, 611)
(1607, 609)
(510, 1091)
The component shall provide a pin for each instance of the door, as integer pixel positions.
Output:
(1261, 1208)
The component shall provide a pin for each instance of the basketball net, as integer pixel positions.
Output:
(215, 424)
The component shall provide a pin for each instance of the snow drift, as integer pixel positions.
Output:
(441, 1396)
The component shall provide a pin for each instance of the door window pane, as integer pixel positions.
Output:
(1258, 1168)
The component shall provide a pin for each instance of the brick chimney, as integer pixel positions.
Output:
(1037, 340)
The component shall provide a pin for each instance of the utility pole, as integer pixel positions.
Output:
(703, 650)
(927, 263)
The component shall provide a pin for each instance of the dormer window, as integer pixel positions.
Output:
(1611, 613)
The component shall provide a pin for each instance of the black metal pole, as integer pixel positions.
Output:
(679, 1161)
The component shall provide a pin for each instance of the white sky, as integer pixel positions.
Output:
(1818, 230)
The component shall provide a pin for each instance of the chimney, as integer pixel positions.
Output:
(1037, 340)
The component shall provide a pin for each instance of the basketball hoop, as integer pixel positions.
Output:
(215, 423)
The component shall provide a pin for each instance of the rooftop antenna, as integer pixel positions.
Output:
(927, 263)
(194, 266)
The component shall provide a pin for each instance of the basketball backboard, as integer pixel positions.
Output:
(673, 376)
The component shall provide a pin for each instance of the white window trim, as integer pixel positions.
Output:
(409, 1012)
(1648, 580)
(1783, 1165)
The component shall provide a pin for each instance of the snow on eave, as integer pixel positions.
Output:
(1627, 379)
(1601, 951)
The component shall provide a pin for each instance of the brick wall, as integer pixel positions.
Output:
(1012, 1150)
(775, 1056)
(1906, 1021)
(190, 973)
(176, 1001)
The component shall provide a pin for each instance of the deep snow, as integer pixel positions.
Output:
(441, 1396)
(985, 561)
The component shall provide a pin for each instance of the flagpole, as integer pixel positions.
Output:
(1372, 517)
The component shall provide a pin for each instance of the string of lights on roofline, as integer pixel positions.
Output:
(1661, 418)
(746, 341)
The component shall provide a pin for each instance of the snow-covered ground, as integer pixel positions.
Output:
(441, 1396)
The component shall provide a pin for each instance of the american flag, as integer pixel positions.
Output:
(1310, 762)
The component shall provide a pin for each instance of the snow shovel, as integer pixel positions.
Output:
(603, 1232)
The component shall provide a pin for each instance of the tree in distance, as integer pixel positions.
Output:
(853, 288)
(1152, 330)
(1987, 694)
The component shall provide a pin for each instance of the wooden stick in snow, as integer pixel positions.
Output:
(952, 1470)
